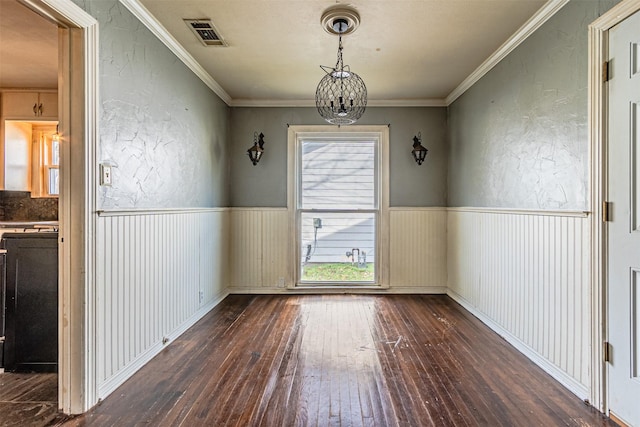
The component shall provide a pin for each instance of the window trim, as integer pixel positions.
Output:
(302, 132)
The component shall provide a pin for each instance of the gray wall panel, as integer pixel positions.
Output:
(518, 137)
(265, 185)
(164, 130)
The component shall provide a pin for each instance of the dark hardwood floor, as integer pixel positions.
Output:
(28, 399)
(348, 360)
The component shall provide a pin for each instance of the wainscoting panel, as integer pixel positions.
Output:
(261, 260)
(259, 249)
(246, 248)
(526, 274)
(418, 249)
(275, 244)
(158, 272)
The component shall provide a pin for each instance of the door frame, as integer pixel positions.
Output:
(78, 117)
(597, 123)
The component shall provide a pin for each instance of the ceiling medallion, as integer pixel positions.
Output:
(341, 95)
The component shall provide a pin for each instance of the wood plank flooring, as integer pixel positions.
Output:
(340, 360)
(28, 399)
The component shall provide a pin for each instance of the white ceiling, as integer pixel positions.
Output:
(28, 48)
(405, 50)
(409, 52)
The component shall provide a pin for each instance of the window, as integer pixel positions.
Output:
(51, 167)
(32, 157)
(46, 161)
(339, 205)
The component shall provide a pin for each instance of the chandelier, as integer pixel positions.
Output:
(341, 95)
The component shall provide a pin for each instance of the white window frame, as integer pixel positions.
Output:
(380, 134)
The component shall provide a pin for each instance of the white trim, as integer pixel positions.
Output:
(511, 211)
(149, 21)
(117, 380)
(417, 208)
(598, 52)
(91, 129)
(559, 375)
(65, 10)
(312, 103)
(258, 208)
(285, 103)
(529, 27)
(407, 103)
(333, 290)
(156, 211)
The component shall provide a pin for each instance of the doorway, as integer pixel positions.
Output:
(614, 116)
(29, 77)
(78, 116)
(623, 226)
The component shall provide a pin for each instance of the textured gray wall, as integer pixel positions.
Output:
(518, 137)
(265, 185)
(165, 132)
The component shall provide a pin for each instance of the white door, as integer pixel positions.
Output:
(624, 229)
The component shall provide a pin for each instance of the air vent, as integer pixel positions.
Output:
(205, 32)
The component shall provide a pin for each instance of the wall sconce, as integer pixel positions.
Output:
(255, 152)
(56, 136)
(419, 152)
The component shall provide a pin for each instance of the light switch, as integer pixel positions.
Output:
(105, 174)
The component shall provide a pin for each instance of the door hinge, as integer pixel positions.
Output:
(606, 211)
(605, 71)
(606, 351)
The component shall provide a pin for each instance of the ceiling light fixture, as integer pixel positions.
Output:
(341, 95)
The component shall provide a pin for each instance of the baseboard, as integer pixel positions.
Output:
(339, 290)
(558, 374)
(124, 374)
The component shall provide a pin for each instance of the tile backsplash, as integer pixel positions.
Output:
(19, 206)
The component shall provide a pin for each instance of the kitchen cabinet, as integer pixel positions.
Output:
(31, 309)
(29, 105)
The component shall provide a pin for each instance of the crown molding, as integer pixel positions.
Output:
(312, 103)
(241, 102)
(407, 103)
(536, 21)
(149, 21)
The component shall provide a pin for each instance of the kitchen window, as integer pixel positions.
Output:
(46, 162)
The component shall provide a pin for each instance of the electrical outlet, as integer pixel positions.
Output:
(105, 174)
(200, 296)
(281, 282)
(317, 222)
